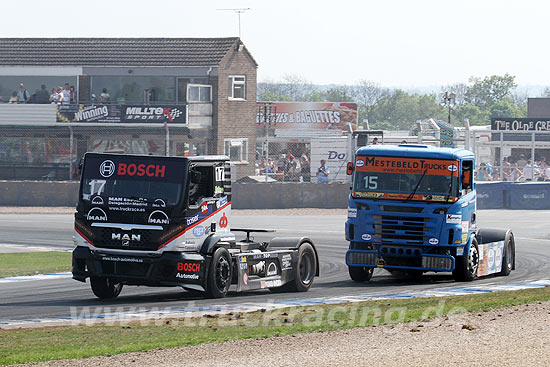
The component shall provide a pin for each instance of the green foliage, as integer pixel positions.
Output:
(478, 101)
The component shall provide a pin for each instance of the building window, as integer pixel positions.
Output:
(237, 87)
(236, 150)
(199, 93)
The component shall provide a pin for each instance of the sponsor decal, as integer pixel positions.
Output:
(286, 261)
(158, 217)
(141, 170)
(243, 259)
(221, 202)
(107, 168)
(190, 267)
(159, 203)
(204, 208)
(187, 276)
(460, 251)
(192, 219)
(198, 231)
(359, 163)
(126, 237)
(223, 221)
(433, 241)
(264, 255)
(153, 114)
(359, 194)
(533, 196)
(218, 190)
(271, 269)
(122, 259)
(408, 165)
(464, 238)
(332, 155)
(97, 200)
(452, 167)
(465, 226)
(97, 214)
(366, 236)
(454, 219)
(352, 213)
(245, 279)
(273, 283)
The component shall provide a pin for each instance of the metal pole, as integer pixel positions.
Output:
(71, 153)
(532, 149)
(266, 141)
(167, 140)
(501, 156)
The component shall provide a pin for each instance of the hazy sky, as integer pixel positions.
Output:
(392, 42)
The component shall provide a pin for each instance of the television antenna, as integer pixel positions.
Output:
(239, 11)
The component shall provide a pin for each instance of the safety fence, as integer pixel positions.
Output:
(53, 153)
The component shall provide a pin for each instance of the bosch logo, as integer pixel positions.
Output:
(359, 163)
(132, 169)
(107, 168)
(191, 267)
(452, 168)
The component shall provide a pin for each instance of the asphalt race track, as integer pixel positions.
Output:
(54, 298)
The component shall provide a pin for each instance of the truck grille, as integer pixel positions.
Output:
(389, 228)
(105, 235)
(362, 258)
(434, 262)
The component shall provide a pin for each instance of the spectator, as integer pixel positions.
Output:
(23, 94)
(42, 96)
(483, 173)
(66, 94)
(322, 172)
(506, 169)
(306, 176)
(521, 161)
(14, 98)
(375, 141)
(73, 95)
(529, 171)
(60, 98)
(53, 96)
(105, 97)
(546, 171)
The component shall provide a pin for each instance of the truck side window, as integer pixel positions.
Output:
(201, 184)
(467, 168)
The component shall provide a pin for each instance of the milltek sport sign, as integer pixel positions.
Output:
(122, 113)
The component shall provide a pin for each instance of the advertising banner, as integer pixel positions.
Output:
(309, 115)
(122, 113)
(402, 165)
(522, 124)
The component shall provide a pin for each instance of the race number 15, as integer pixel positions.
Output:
(371, 182)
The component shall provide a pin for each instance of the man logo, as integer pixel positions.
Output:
(271, 270)
(98, 200)
(159, 203)
(158, 217)
(97, 214)
(107, 168)
(125, 243)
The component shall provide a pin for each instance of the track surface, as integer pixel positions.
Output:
(43, 299)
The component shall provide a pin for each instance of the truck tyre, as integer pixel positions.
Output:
(105, 288)
(509, 255)
(219, 274)
(466, 265)
(360, 273)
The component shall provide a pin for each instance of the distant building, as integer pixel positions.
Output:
(181, 96)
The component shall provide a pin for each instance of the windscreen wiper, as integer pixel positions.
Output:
(411, 195)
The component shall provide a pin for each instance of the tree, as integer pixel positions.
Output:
(460, 89)
(340, 93)
(485, 92)
(474, 114)
(367, 95)
(507, 108)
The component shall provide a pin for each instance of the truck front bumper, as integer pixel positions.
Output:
(418, 261)
(168, 269)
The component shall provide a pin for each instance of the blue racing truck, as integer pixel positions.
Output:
(412, 209)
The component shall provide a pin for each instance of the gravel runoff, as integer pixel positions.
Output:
(516, 336)
(71, 210)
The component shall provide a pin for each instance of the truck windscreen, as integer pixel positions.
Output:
(132, 181)
(401, 178)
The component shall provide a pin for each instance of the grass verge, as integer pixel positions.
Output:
(31, 263)
(43, 344)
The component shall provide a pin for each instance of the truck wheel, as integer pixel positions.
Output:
(466, 265)
(306, 268)
(219, 274)
(105, 288)
(509, 255)
(360, 273)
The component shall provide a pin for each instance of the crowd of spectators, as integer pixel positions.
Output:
(286, 168)
(520, 170)
(58, 95)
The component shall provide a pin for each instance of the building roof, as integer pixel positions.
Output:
(114, 51)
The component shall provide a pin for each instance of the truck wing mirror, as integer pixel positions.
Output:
(195, 177)
(350, 168)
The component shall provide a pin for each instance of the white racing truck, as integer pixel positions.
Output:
(165, 221)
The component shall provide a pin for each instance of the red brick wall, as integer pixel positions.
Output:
(237, 119)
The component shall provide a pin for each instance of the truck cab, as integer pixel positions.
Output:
(165, 221)
(412, 208)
